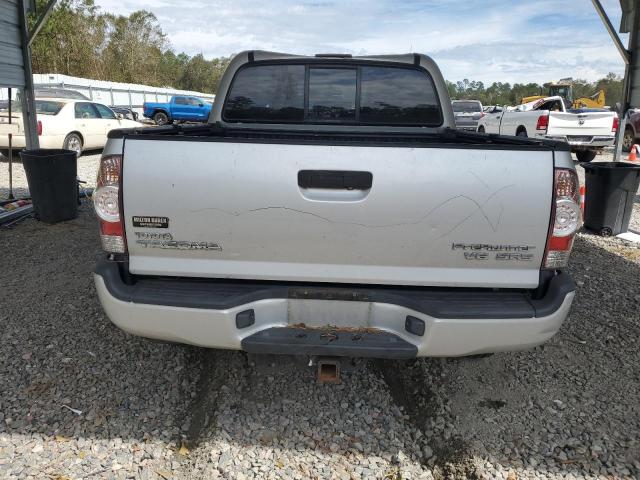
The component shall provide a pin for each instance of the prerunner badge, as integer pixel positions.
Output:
(150, 222)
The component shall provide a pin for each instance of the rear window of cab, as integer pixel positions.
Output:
(43, 107)
(333, 94)
(466, 107)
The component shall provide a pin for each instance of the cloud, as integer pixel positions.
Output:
(488, 40)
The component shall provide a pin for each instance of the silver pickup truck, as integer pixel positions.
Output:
(329, 207)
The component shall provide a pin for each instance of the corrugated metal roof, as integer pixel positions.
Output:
(60, 79)
(11, 59)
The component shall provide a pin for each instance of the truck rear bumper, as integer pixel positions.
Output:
(345, 320)
(578, 142)
(467, 126)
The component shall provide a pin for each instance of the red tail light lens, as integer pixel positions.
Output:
(106, 200)
(543, 122)
(39, 128)
(565, 220)
(616, 123)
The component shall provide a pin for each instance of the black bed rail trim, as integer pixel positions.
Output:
(438, 302)
(446, 138)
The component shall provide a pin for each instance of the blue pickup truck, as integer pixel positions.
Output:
(180, 108)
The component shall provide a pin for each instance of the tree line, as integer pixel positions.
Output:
(80, 40)
(499, 93)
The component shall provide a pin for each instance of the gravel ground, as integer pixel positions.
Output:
(79, 398)
(568, 409)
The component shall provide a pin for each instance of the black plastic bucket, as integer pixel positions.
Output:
(52, 178)
(611, 188)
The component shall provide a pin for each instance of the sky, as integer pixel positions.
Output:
(486, 40)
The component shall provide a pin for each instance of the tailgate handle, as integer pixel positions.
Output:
(335, 179)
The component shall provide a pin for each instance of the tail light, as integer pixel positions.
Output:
(39, 128)
(482, 114)
(107, 203)
(543, 122)
(565, 218)
(616, 123)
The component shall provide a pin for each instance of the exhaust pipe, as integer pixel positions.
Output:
(328, 370)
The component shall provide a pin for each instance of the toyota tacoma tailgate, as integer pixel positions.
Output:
(360, 213)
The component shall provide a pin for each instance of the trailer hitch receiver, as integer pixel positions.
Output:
(328, 370)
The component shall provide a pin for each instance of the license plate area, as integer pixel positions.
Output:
(581, 139)
(328, 313)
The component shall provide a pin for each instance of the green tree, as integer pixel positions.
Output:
(612, 85)
(135, 48)
(79, 40)
(71, 40)
(451, 88)
(203, 75)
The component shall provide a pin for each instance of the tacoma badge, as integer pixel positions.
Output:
(179, 244)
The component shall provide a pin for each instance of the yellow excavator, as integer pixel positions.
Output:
(564, 89)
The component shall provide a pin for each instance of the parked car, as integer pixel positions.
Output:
(586, 132)
(330, 207)
(64, 123)
(467, 113)
(125, 112)
(47, 93)
(631, 131)
(180, 108)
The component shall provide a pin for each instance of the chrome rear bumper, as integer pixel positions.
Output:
(586, 141)
(366, 321)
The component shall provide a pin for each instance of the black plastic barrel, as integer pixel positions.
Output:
(52, 178)
(611, 188)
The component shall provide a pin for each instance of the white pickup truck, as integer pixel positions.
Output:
(585, 130)
(329, 208)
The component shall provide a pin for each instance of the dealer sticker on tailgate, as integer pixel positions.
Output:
(150, 222)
